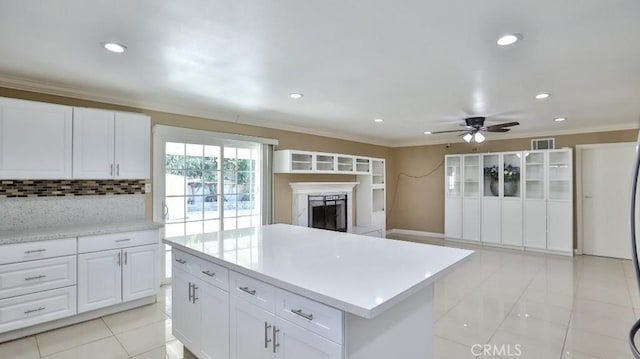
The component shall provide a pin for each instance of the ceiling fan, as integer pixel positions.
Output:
(475, 125)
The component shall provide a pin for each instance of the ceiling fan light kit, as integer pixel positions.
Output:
(475, 125)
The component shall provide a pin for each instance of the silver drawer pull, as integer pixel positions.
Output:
(35, 251)
(36, 277)
(247, 290)
(181, 261)
(302, 314)
(210, 274)
(123, 240)
(34, 310)
(266, 335)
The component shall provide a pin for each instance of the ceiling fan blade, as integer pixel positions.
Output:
(433, 133)
(496, 129)
(502, 125)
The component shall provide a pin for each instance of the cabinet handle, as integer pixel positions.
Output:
(210, 274)
(275, 338)
(36, 277)
(194, 293)
(302, 314)
(119, 259)
(118, 169)
(247, 290)
(125, 257)
(123, 240)
(181, 261)
(34, 310)
(111, 171)
(190, 295)
(34, 251)
(266, 335)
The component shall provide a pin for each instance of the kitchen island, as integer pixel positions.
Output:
(283, 291)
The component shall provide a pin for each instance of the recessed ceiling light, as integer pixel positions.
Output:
(296, 95)
(114, 47)
(559, 119)
(378, 120)
(508, 39)
(542, 96)
(427, 132)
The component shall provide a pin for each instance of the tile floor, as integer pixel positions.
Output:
(550, 306)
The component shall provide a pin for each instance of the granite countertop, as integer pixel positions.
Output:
(358, 274)
(67, 231)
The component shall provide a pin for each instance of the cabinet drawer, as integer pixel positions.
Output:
(117, 240)
(309, 314)
(26, 310)
(186, 262)
(28, 251)
(214, 274)
(36, 276)
(253, 290)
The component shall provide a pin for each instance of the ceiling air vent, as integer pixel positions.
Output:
(543, 144)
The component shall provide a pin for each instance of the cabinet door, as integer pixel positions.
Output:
(535, 224)
(35, 140)
(185, 313)
(294, 342)
(132, 145)
(93, 133)
(560, 215)
(99, 279)
(214, 321)
(140, 272)
(251, 331)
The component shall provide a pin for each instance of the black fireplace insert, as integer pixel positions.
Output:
(328, 212)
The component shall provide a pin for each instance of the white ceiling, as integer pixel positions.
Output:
(420, 65)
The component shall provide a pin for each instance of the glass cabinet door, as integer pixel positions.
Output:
(511, 174)
(491, 175)
(453, 176)
(534, 175)
(559, 175)
(471, 175)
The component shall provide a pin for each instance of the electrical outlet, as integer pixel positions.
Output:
(147, 187)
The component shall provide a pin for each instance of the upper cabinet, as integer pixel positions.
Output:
(35, 140)
(110, 145)
(294, 161)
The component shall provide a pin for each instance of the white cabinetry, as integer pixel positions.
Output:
(453, 197)
(200, 306)
(371, 197)
(35, 140)
(560, 201)
(471, 197)
(491, 216)
(108, 144)
(511, 199)
(117, 268)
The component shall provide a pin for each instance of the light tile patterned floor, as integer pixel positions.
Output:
(551, 306)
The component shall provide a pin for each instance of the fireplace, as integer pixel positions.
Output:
(301, 206)
(328, 212)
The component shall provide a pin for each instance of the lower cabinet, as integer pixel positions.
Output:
(25, 310)
(251, 331)
(118, 275)
(295, 342)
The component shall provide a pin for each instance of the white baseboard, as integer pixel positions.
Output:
(415, 233)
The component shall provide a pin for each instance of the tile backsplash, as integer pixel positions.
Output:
(68, 188)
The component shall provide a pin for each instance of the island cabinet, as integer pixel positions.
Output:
(116, 268)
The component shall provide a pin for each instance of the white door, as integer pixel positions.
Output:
(185, 313)
(140, 272)
(606, 184)
(99, 279)
(251, 330)
(214, 317)
(132, 145)
(35, 140)
(295, 342)
(93, 133)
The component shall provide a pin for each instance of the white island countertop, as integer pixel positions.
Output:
(360, 275)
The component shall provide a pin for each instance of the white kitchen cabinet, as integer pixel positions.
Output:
(511, 199)
(185, 314)
(452, 197)
(26, 310)
(35, 140)
(471, 197)
(251, 330)
(214, 321)
(295, 342)
(35, 276)
(535, 199)
(108, 144)
(140, 272)
(99, 279)
(560, 201)
(491, 207)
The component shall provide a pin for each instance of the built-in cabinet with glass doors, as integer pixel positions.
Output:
(513, 199)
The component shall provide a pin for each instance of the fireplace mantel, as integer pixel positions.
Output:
(322, 187)
(302, 190)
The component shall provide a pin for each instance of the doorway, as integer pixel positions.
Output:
(604, 182)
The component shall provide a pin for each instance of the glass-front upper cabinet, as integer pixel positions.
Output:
(559, 175)
(511, 174)
(453, 173)
(471, 172)
(534, 182)
(491, 175)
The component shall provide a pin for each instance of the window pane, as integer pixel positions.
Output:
(256, 220)
(174, 155)
(244, 222)
(211, 226)
(229, 223)
(194, 227)
(211, 158)
(194, 157)
(195, 208)
(230, 206)
(174, 229)
(211, 207)
(174, 209)
(174, 183)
